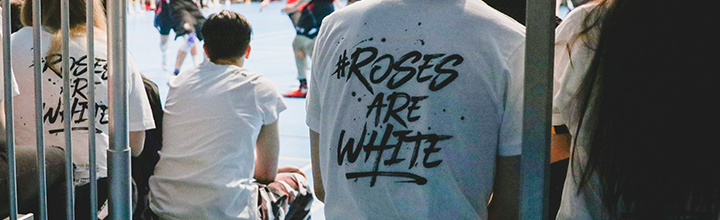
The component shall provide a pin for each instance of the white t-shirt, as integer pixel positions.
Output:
(570, 69)
(139, 112)
(213, 116)
(418, 138)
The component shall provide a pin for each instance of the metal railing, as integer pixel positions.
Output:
(9, 132)
(537, 109)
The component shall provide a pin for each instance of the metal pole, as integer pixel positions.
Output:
(39, 130)
(90, 22)
(9, 133)
(535, 165)
(119, 191)
(67, 115)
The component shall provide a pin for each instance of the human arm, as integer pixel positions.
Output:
(264, 4)
(267, 153)
(317, 175)
(140, 117)
(137, 142)
(339, 5)
(505, 199)
(559, 146)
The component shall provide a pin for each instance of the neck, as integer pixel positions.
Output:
(236, 62)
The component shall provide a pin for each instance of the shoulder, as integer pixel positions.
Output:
(356, 9)
(24, 37)
(581, 11)
(574, 20)
(262, 85)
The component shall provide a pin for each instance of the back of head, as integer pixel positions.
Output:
(51, 15)
(227, 35)
(651, 128)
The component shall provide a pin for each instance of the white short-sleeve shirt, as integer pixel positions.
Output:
(213, 116)
(414, 100)
(573, 55)
(139, 112)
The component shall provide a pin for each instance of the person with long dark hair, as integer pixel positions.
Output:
(632, 73)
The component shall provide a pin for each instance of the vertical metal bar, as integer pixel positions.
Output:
(67, 114)
(535, 165)
(90, 22)
(39, 130)
(119, 151)
(9, 133)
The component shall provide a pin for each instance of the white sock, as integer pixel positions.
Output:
(163, 50)
(196, 60)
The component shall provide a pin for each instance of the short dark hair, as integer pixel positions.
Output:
(227, 35)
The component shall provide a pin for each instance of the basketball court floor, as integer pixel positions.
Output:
(271, 55)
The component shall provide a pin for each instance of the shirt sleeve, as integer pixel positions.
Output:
(269, 101)
(566, 47)
(313, 102)
(314, 97)
(511, 127)
(572, 59)
(139, 111)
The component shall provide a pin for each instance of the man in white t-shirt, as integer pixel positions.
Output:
(220, 132)
(415, 111)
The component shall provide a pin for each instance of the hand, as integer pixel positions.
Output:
(264, 4)
(289, 7)
(290, 169)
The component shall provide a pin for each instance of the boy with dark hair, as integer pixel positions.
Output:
(220, 138)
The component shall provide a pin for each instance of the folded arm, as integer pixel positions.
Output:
(268, 149)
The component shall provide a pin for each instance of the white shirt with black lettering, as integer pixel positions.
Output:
(138, 109)
(414, 101)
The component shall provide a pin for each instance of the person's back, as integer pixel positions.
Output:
(139, 113)
(215, 116)
(211, 124)
(414, 101)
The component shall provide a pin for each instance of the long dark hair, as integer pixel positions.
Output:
(650, 133)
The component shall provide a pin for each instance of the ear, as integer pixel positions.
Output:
(247, 53)
(205, 50)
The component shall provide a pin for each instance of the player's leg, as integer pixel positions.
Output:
(193, 52)
(300, 45)
(180, 58)
(189, 43)
(163, 49)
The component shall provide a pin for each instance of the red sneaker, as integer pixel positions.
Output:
(300, 92)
